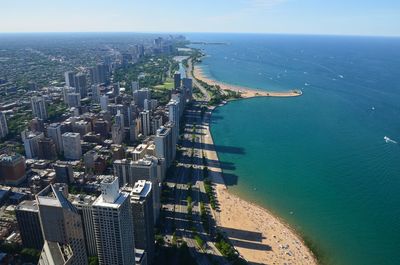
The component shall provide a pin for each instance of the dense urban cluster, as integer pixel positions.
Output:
(83, 159)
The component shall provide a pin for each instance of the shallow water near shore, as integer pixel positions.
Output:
(319, 161)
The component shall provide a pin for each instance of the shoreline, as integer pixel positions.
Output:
(245, 92)
(258, 235)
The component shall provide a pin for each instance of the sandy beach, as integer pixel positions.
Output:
(259, 236)
(244, 91)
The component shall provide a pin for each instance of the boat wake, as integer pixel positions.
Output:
(388, 140)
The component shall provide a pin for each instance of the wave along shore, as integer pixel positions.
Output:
(258, 235)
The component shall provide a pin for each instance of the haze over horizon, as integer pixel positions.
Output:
(340, 17)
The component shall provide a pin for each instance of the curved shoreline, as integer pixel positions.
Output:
(258, 235)
(245, 92)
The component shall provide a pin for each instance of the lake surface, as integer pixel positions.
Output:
(319, 161)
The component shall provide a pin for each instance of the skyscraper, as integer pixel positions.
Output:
(100, 74)
(83, 204)
(72, 146)
(104, 102)
(145, 119)
(146, 168)
(27, 214)
(143, 219)
(177, 80)
(140, 95)
(62, 228)
(163, 143)
(39, 107)
(74, 100)
(54, 132)
(69, 79)
(81, 84)
(3, 125)
(173, 112)
(31, 143)
(113, 225)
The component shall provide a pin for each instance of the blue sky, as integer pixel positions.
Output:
(343, 17)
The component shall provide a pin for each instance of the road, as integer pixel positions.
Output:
(189, 169)
(189, 74)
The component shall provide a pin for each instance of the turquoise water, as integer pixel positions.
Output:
(320, 160)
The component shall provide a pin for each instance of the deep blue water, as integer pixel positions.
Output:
(320, 160)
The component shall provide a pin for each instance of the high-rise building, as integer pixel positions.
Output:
(3, 125)
(145, 119)
(31, 145)
(72, 146)
(163, 143)
(96, 92)
(64, 172)
(47, 149)
(155, 123)
(69, 79)
(83, 204)
(177, 80)
(173, 112)
(54, 132)
(143, 219)
(27, 214)
(104, 101)
(140, 95)
(39, 107)
(12, 169)
(146, 168)
(113, 225)
(117, 134)
(187, 85)
(81, 85)
(62, 227)
(122, 170)
(135, 86)
(74, 100)
(100, 74)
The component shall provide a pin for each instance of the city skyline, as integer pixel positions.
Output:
(244, 16)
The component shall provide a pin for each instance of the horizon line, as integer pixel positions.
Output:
(200, 32)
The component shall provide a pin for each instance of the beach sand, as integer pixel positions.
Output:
(244, 91)
(259, 236)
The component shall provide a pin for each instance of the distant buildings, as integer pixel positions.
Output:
(113, 225)
(39, 107)
(12, 169)
(3, 125)
(62, 228)
(27, 214)
(72, 146)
